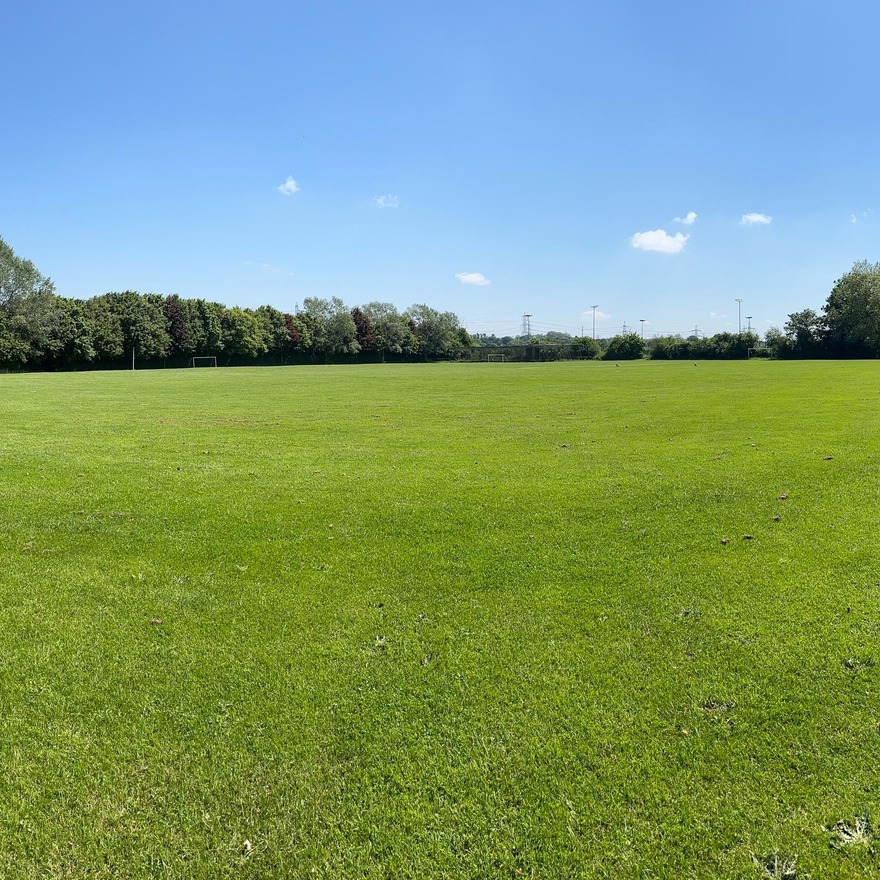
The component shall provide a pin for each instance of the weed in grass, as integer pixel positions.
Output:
(777, 867)
(717, 705)
(860, 833)
(856, 664)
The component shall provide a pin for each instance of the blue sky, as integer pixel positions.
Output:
(478, 157)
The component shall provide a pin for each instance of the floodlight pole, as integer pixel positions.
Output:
(594, 320)
(739, 304)
(643, 327)
(749, 319)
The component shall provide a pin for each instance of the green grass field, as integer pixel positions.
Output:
(441, 621)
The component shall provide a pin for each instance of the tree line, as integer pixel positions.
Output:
(847, 327)
(44, 331)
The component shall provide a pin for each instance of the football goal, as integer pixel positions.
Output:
(204, 361)
(495, 358)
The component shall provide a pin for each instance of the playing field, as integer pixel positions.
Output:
(466, 621)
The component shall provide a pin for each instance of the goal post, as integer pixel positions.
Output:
(495, 358)
(204, 361)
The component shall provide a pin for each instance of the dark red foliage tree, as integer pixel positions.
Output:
(176, 324)
(366, 338)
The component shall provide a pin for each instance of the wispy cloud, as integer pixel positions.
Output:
(477, 278)
(716, 315)
(689, 219)
(389, 201)
(600, 315)
(659, 240)
(852, 218)
(289, 187)
(755, 219)
(268, 268)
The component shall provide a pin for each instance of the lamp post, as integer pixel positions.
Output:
(594, 320)
(749, 319)
(643, 327)
(739, 304)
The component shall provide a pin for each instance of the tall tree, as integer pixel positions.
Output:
(15, 351)
(299, 337)
(437, 331)
(69, 343)
(364, 334)
(20, 281)
(332, 326)
(26, 305)
(778, 345)
(205, 323)
(177, 325)
(106, 329)
(274, 330)
(392, 330)
(243, 333)
(805, 330)
(852, 312)
(140, 321)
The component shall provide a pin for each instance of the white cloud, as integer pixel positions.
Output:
(477, 278)
(389, 201)
(754, 219)
(716, 315)
(689, 219)
(600, 315)
(289, 187)
(659, 240)
(852, 218)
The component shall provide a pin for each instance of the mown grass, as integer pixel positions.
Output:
(440, 621)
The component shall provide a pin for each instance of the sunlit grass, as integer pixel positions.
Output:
(506, 620)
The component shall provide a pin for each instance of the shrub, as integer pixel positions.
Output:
(625, 347)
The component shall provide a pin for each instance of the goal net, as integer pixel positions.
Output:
(495, 358)
(204, 361)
